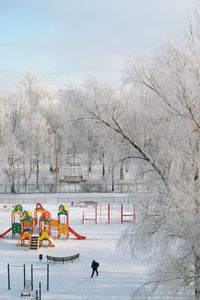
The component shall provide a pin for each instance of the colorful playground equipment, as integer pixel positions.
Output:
(37, 231)
(26, 226)
(61, 225)
(16, 214)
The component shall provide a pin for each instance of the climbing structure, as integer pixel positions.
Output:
(38, 209)
(63, 221)
(16, 219)
(26, 226)
(45, 228)
(114, 212)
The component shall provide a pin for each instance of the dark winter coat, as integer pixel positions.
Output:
(94, 265)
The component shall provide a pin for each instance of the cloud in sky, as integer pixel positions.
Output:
(65, 41)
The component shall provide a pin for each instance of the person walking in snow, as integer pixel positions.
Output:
(94, 267)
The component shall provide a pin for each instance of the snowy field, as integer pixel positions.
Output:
(119, 273)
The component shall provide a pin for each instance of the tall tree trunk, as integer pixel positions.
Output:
(24, 174)
(18, 183)
(103, 165)
(113, 176)
(197, 277)
(89, 152)
(12, 184)
(121, 171)
(56, 178)
(89, 163)
(13, 178)
(37, 173)
(196, 187)
(37, 162)
(12, 187)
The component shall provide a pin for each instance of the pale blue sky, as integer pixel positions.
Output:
(67, 40)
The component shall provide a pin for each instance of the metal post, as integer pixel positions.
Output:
(31, 277)
(40, 290)
(36, 293)
(47, 277)
(8, 277)
(24, 276)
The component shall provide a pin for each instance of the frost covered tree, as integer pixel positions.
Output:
(30, 126)
(156, 115)
(170, 82)
(33, 92)
(115, 111)
(96, 102)
(10, 148)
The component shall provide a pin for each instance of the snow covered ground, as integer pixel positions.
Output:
(119, 273)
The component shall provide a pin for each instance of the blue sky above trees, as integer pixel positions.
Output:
(65, 41)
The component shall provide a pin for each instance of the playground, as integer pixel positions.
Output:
(39, 230)
(119, 274)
